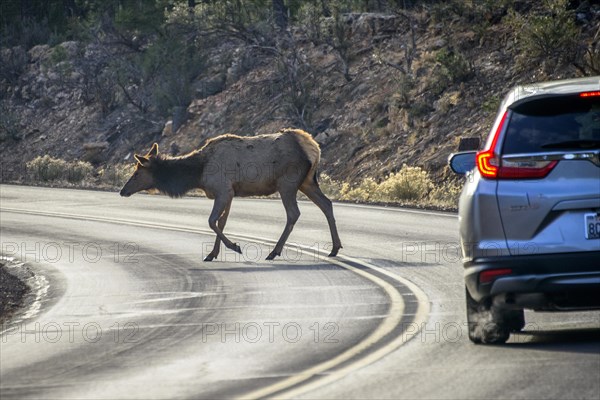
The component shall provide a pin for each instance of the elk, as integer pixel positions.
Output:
(228, 166)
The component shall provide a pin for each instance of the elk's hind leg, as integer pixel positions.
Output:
(312, 191)
(221, 202)
(221, 224)
(288, 196)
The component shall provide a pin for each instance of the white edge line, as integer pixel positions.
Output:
(392, 208)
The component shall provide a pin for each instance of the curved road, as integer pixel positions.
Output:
(124, 307)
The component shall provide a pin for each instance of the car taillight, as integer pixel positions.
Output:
(525, 169)
(595, 93)
(488, 161)
(491, 274)
(491, 166)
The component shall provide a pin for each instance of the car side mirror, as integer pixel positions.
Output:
(462, 162)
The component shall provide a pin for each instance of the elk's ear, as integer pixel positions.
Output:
(154, 150)
(143, 161)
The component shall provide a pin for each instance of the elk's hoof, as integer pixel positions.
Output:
(334, 252)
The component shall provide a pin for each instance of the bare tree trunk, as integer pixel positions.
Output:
(26, 9)
(325, 8)
(382, 6)
(280, 14)
(70, 8)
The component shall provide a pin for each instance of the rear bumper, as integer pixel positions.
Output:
(542, 282)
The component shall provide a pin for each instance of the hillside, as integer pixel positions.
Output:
(377, 89)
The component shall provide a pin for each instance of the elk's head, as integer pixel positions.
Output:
(143, 177)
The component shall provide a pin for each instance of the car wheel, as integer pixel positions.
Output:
(489, 324)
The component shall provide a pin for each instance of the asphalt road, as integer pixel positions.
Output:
(124, 307)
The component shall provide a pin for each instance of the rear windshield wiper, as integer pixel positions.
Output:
(584, 144)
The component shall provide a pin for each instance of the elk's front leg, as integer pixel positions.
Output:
(221, 224)
(221, 202)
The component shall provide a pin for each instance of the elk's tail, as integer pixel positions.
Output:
(312, 151)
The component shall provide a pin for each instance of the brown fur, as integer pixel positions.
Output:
(230, 165)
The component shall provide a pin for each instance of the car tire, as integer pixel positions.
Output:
(491, 325)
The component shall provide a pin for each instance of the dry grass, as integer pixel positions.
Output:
(58, 172)
(49, 169)
(115, 176)
(411, 186)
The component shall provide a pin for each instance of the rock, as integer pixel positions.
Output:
(95, 152)
(93, 51)
(39, 53)
(327, 136)
(197, 106)
(233, 73)
(321, 137)
(323, 125)
(468, 143)
(95, 146)
(168, 129)
(235, 69)
(439, 44)
(373, 23)
(210, 86)
(582, 18)
(180, 116)
(72, 48)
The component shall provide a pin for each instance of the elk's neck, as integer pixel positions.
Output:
(177, 176)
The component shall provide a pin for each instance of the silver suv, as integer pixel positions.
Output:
(529, 212)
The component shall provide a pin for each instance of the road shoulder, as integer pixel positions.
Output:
(13, 289)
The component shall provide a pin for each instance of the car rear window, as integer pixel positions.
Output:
(543, 124)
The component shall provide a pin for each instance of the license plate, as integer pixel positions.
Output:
(592, 226)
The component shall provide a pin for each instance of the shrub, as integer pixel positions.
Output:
(590, 64)
(26, 32)
(329, 186)
(296, 80)
(454, 65)
(48, 169)
(310, 17)
(77, 171)
(116, 175)
(408, 184)
(367, 190)
(58, 55)
(12, 64)
(338, 34)
(45, 168)
(550, 35)
(404, 95)
(9, 123)
(491, 103)
(472, 11)
(445, 195)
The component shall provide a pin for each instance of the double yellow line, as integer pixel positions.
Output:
(372, 348)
